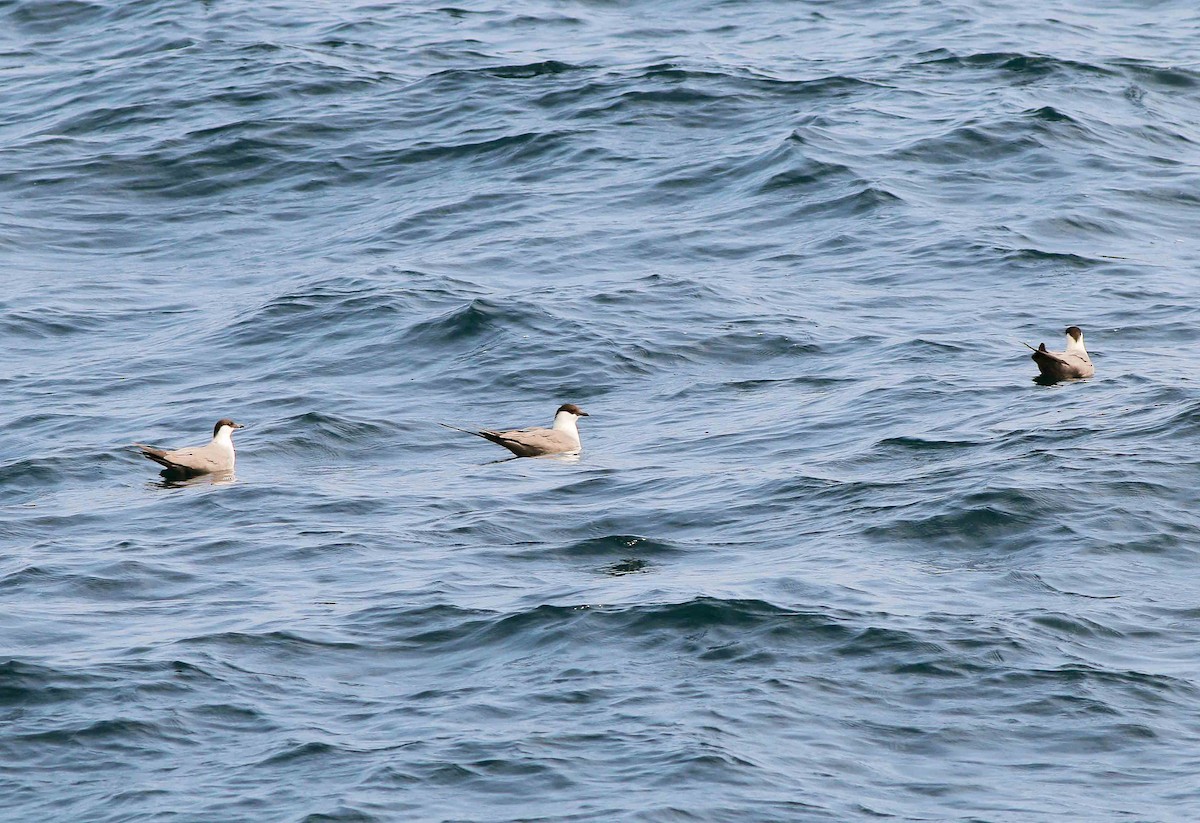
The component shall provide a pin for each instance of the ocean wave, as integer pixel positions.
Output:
(1012, 517)
(1163, 77)
(479, 320)
(827, 542)
(329, 433)
(49, 17)
(1024, 66)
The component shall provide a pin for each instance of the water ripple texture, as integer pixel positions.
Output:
(829, 553)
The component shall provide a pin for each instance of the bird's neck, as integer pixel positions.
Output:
(565, 422)
(224, 438)
(1075, 346)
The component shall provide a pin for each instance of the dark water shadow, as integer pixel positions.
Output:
(629, 565)
(175, 480)
(1046, 380)
(568, 457)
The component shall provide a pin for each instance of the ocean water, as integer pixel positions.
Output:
(829, 554)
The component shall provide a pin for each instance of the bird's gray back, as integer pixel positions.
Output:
(201, 458)
(534, 441)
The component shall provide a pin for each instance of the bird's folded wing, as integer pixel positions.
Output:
(196, 458)
(1050, 355)
(541, 441)
(1074, 360)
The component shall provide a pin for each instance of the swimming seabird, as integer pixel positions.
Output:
(217, 456)
(562, 438)
(1065, 365)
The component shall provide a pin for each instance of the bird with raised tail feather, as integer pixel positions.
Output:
(561, 438)
(1065, 365)
(215, 457)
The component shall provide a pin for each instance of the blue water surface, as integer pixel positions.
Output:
(829, 553)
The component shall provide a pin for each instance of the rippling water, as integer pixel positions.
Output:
(829, 552)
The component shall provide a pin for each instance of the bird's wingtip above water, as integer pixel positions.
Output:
(457, 429)
(150, 452)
